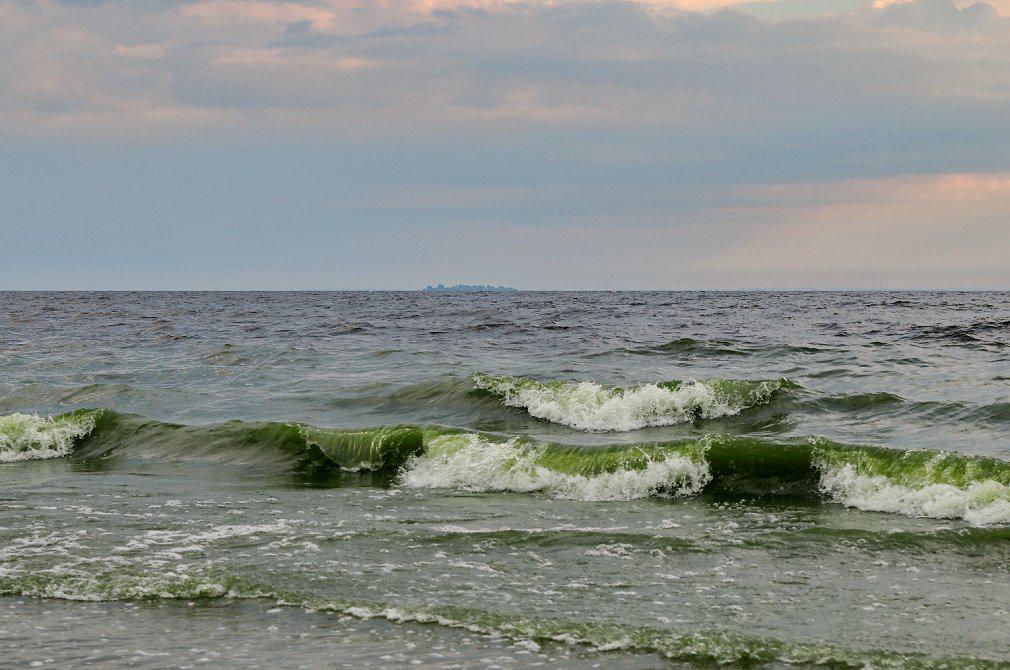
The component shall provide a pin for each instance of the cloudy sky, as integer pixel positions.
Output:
(540, 144)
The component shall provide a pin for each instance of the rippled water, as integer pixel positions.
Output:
(470, 480)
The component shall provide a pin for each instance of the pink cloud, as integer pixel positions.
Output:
(933, 227)
(226, 13)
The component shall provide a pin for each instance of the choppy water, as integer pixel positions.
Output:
(475, 480)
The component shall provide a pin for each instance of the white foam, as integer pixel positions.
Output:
(591, 406)
(198, 539)
(26, 437)
(472, 464)
(981, 503)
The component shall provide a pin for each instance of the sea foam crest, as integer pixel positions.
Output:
(980, 503)
(591, 406)
(471, 463)
(26, 437)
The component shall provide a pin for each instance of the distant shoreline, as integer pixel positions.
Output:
(505, 290)
(469, 288)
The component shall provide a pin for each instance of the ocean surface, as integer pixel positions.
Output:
(513, 480)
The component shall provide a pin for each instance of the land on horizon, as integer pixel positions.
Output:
(469, 288)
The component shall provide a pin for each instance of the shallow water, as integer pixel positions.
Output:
(577, 479)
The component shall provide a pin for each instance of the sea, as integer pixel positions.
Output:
(505, 480)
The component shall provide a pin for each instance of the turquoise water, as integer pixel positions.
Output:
(571, 479)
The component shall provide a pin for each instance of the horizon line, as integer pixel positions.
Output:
(838, 289)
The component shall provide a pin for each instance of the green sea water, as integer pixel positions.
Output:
(521, 480)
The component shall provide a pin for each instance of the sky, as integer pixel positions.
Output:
(568, 144)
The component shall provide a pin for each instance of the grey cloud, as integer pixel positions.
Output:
(939, 15)
(302, 34)
(529, 142)
(867, 92)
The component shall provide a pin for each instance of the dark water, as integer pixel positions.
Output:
(477, 480)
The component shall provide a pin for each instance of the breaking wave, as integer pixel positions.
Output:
(918, 483)
(25, 437)
(591, 406)
(470, 462)
(942, 485)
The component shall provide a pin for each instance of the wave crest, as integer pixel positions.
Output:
(28, 437)
(594, 407)
(373, 449)
(923, 483)
(471, 463)
(940, 485)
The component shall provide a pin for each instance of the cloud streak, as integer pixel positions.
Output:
(347, 67)
(690, 143)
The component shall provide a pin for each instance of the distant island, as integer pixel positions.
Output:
(468, 288)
